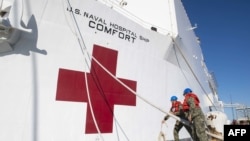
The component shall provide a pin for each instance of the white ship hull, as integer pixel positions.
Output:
(88, 72)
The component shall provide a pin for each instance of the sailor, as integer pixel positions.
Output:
(195, 114)
(176, 109)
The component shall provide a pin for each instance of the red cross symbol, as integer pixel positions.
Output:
(104, 90)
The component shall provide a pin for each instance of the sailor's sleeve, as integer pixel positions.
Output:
(191, 104)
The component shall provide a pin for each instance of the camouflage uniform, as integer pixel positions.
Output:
(197, 118)
(178, 125)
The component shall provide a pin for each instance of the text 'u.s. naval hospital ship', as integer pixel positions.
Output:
(99, 70)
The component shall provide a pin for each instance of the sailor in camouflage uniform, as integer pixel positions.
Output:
(176, 109)
(195, 114)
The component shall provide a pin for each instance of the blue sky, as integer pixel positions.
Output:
(224, 31)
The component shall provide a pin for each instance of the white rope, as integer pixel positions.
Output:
(162, 136)
(76, 28)
(145, 100)
(90, 105)
(132, 91)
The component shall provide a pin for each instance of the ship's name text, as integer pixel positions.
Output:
(101, 25)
